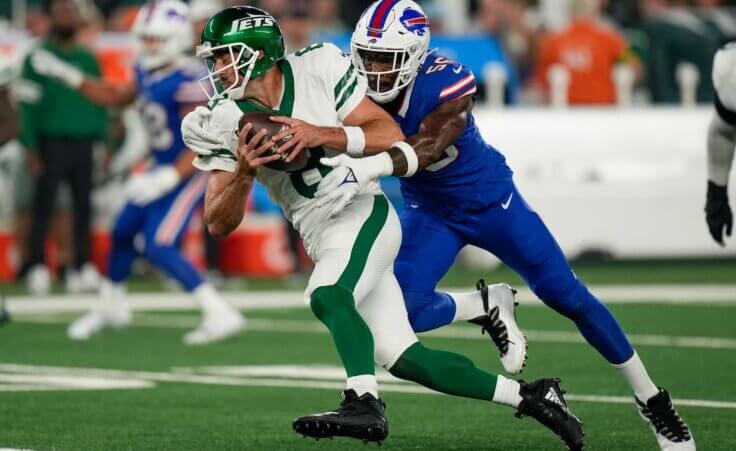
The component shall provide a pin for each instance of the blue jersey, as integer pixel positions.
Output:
(471, 174)
(161, 97)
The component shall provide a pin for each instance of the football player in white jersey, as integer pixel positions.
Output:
(721, 144)
(353, 239)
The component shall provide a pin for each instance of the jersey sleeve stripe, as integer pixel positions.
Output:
(344, 80)
(471, 90)
(458, 86)
(346, 95)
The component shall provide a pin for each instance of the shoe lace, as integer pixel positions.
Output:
(497, 331)
(667, 421)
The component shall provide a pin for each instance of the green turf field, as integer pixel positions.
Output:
(229, 396)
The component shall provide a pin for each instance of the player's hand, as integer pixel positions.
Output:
(301, 135)
(45, 63)
(142, 189)
(718, 213)
(250, 153)
(195, 133)
(349, 177)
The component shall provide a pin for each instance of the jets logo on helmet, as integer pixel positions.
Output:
(415, 21)
(389, 46)
(253, 40)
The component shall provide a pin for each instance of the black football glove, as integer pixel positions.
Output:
(718, 212)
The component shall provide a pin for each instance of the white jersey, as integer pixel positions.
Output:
(724, 76)
(321, 87)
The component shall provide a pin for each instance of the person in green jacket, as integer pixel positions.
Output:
(59, 127)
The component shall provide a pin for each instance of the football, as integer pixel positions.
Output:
(263, 121)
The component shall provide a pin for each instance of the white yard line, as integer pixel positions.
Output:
(461, 332)
(248, 300)
(329, 382)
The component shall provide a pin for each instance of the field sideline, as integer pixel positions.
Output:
(140, 388)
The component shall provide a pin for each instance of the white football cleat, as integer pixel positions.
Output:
(89, 278)
(216, 327)
(38, 280)
(98, 320)
(671, 431)
(499, 301)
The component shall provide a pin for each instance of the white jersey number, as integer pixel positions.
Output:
(451, 154)
(157, 124)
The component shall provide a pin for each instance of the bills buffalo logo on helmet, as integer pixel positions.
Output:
(414, 21)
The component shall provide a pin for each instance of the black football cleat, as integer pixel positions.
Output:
(500, 323)
(671, 431)
(543, 400)
(357, 417)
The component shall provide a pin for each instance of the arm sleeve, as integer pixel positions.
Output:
(30, 93)
(722, 129)
(344, 85)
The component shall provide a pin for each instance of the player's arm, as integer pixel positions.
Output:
(98, 91)
(227, 192)
(367, 129)
(721, 145)
(8, 118)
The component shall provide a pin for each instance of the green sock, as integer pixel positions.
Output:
(444, 372)
(335, 307)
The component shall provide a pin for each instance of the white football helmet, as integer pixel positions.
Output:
(163, 32)
(389, 46)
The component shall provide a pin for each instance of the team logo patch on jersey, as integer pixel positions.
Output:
(414, 21)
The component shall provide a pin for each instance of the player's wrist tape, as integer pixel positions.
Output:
(356, 141)
(410, 155)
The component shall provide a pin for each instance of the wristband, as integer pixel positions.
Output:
(356, 141)
(410, 155)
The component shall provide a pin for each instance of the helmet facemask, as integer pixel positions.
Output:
(381, 65)
(242, 61)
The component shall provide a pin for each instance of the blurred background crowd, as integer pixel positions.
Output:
(546, 53)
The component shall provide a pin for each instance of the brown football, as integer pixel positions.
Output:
(263, 121)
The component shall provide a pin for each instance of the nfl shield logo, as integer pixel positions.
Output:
(414, 21)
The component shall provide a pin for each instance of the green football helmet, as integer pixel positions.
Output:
(246, 33)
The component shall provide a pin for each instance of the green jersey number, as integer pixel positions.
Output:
(307, 180)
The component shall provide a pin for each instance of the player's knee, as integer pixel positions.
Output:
(566, 295)
(329, 300)
(416, 306)
(122, 233)
(157, 254)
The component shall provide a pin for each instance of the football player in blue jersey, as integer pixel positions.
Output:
(160, 201)
(459, 191)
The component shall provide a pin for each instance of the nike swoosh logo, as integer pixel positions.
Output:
(506, 204)
(458, 70)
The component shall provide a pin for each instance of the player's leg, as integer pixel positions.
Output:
(113, 310)
(398, 350)
(353, 250)
(428, 249)
(166, 224)
(518, 236)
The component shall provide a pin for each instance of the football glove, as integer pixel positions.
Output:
(349, 177)
(195, 134)
(718, 213)
(45, 63)
(142, 189)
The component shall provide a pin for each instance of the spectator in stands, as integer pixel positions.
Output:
(677, 35)
(58, 130)
(296, 24)
(589, 49)
(326, 17)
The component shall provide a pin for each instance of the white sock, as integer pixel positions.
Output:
(507, 392)
(636, 375)
(467, 305)
(113, 294)
(365, 383)
(209, 300)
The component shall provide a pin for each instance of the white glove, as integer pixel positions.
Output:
(349, 177)
(45, 63)
(144, 188)
(195, 134)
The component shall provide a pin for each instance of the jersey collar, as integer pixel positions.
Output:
(286, 105)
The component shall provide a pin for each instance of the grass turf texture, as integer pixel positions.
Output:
(688, 271)
(179, 416)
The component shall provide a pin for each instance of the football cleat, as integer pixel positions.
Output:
(543, 400)
(38, 280)
(216, 327)
(671, 431)
(500, 323)
(357, 417)
(98, 320)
